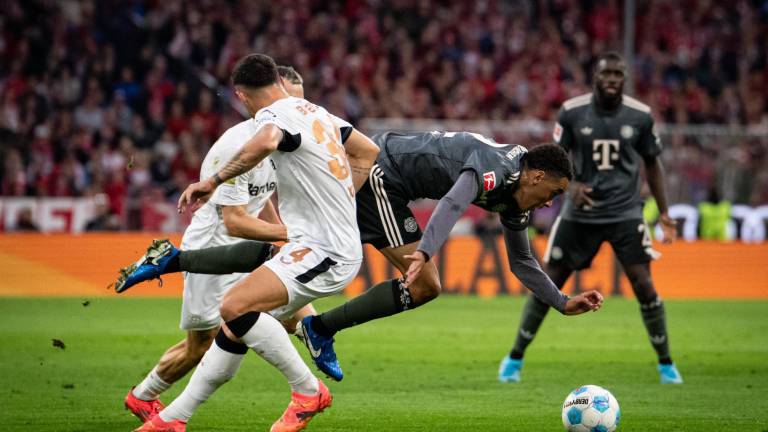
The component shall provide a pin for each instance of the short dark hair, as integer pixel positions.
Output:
(254, 70)
(290, 74)
(550, 158)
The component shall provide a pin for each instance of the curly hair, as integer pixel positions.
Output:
(254, 71)
(551, 159)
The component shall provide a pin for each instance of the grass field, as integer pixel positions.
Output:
(433, 369)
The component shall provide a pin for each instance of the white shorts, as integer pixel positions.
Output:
(202, 299)
(307, 275)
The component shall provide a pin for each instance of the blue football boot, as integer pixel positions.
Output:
(320, 349)
(669, 374)
(150, 266)
(509, 369)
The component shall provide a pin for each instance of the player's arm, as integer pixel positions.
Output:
(527, 269)
(241, 224)
(261, 145)
(361, 154)
(449, 209)
(649, 146)
(269, 214)
(654, 171)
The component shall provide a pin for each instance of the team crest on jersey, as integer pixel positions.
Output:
(627, 131)
(558, 132)
(489, 180)
(410, 224)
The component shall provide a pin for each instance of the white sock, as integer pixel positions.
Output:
(216, 368)
(269, 339)
(151, 387)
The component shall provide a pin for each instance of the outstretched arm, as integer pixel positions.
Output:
(264, 142)
(449, 209)
(527, 269)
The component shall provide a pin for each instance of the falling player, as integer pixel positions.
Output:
(609, 136)
(458, 168)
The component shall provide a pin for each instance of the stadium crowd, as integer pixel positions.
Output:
(125, 97)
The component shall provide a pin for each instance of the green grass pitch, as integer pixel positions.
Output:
(433, 369)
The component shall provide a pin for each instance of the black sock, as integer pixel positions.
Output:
(240, 257)
(381, 300)
(655, 320)
(319, 327)
(174, 265)
(534, 313)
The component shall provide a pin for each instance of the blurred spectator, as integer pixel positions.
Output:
(104, 219)
(89, 88)
(24, 222)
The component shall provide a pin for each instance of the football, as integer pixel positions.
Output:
(591, 408)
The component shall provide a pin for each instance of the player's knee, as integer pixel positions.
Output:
(425, 289)
(229, 309)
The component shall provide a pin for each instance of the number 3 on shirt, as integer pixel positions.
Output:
(338, 165)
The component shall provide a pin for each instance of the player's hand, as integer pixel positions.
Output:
(584, 302)
(196, 192)
(418, 259)
(668, 227)
(580, 196)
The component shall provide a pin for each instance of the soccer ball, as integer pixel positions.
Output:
(591, 408)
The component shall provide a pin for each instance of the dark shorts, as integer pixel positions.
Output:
(574, 244)
(383, 215)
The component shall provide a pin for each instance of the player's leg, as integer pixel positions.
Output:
(247, 325)
(163, 258)
(632, 243)
(175, 363)
(383, 299)
(388, 224)
(571, 246)
(200, 318)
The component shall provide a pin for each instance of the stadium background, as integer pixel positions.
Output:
(108, 107)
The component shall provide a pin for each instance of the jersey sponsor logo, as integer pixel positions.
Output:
(558, 132)
(627, 131)
(605, 153)
(489, 180)
(586, 130)
(256, 190)
(410, 224)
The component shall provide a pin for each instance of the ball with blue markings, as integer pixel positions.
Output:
(591, 408)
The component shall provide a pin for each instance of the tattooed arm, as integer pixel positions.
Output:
(254, 151)
(361, 154)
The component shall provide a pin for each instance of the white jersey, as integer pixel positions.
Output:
(252, 189)
(317, 197)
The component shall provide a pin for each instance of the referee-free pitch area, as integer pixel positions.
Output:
(432, 369)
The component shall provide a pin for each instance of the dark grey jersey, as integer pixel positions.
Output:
(427, 164)
(607, 149)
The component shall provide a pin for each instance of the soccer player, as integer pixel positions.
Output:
(609, 136)
(321, 160)
(226, 216)
(458, 168)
